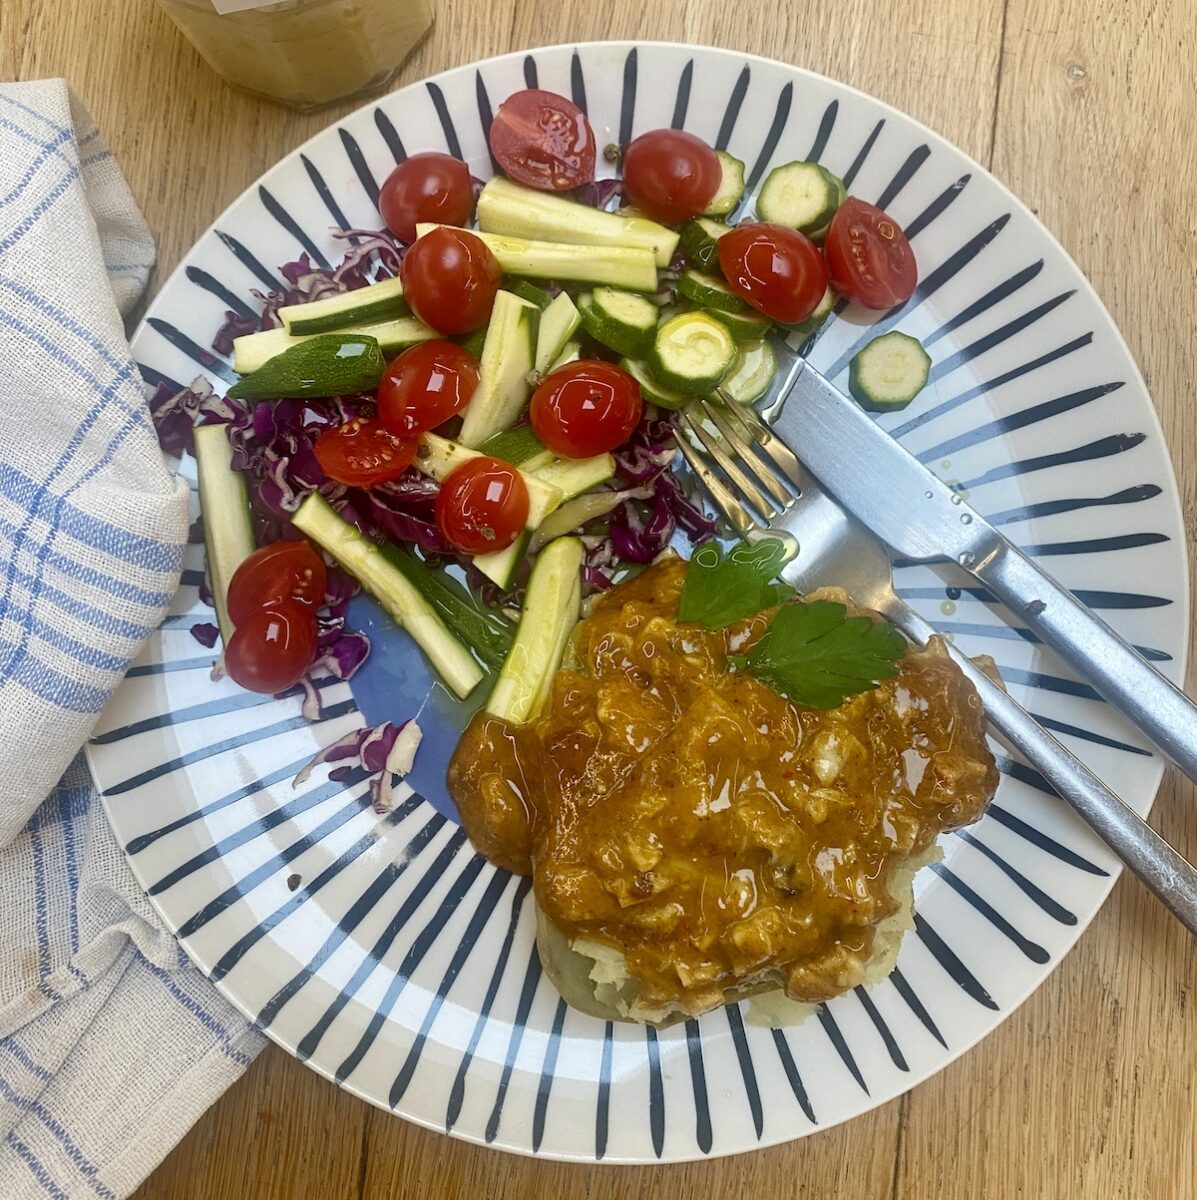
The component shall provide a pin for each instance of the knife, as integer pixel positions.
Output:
(918, 515)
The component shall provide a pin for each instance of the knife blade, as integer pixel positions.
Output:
(873, 477)
(915, 513)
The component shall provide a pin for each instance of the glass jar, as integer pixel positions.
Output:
(303, 53)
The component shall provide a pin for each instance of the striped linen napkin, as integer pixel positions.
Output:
(111, 1045)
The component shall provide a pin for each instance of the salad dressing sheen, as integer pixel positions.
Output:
(700, 822)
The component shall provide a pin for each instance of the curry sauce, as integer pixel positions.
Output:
(713, 831)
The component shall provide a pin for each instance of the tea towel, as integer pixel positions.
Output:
(111, 1044)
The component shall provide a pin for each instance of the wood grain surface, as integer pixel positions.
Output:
(1088, 112)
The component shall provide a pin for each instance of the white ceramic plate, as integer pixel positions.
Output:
(396, 961)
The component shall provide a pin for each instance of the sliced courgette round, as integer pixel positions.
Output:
(822, 311)
(620, 320)
(651, 389)
(731, 186)
(753, 373)
(692, 352)
(889, 372)
(700, 237)
(710, 292)
(527, 290)
(748, 326)
(802, 195)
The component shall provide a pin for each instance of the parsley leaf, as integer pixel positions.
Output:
(721, 589)
(817, 655)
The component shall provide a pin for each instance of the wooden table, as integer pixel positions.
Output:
(1088, 112)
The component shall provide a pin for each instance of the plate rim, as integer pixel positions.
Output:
(1170, 492)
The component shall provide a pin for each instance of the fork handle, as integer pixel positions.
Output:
(1134, 687)
(1156, 863)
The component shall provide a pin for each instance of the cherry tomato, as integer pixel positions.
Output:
(543, 140)
(450, 278)
(671, 175)
(586, 408)
(776, 269)
(361, 453)
(425, 386)
(426, 187)
(482, 505)
(272, 648)
(280, 571)
(868, 256)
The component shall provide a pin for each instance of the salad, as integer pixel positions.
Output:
(496, 368)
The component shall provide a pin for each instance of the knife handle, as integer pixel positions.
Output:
(1153, 860)
(1084, 641)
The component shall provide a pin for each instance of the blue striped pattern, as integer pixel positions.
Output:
(92, 528)
(442, 1010)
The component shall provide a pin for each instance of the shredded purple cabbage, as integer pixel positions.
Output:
(235, 326)
(376, 254)
(384, 751)
(274, 443)
(340, 652)
(175, 414)
(600, 193)
(403, 510)
(654, 509)
(205, 633)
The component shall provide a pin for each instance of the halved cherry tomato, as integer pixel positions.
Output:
(281, 571)
(586, 408)
(362, 453)
(450, 278)
(426, 187)
(670, 174)
(868, 257)
(482, 505)
(272, 648)
(543, 140)
(425, 386)
(776, 269)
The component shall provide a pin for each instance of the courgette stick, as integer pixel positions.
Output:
(228, 524)
(620, 266)
(508, 208)
(390, 587)
(552, 604)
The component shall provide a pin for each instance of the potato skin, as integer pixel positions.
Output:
(569, 971)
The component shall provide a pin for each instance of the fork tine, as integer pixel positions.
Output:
(787, 462)
(736, 514)
(744, 449)
(711, 444)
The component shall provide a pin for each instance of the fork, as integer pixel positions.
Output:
(761, 488)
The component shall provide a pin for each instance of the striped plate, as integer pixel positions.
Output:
(391, 957)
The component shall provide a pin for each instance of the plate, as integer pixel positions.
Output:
(394, 960)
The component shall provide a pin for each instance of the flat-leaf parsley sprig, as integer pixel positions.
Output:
(721, 589)
(815, 654)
